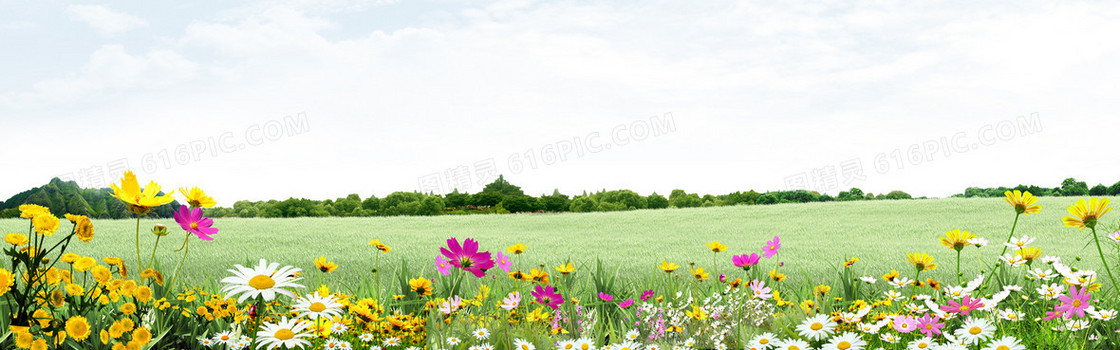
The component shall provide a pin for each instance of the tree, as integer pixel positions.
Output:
(1072, 187)
(1098, 190)
(504, 187)
(520, 204)
(656, 201)
(680, 199)
(371, 203)
(555, 202)
(1114, 190)
(486, 199)
(457, 199)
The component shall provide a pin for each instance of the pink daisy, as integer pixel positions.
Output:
(771, 248)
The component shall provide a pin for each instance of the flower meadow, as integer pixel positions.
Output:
(476, 295)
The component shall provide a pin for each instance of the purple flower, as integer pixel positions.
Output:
(548, 296)
(504, 263)
(745, 261)
(467, 257)
(647, 294)
(626, 303)
(192, 221)
(930, 325)
(771, 248)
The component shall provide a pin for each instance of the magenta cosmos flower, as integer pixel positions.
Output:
(964, 307)
(930, 325)
(646, 294)
(192, 221)
(442, 265)
(626, 303)
(745, 261)
(605, 296)
(467, 257)
(1076, 302)
(548, 296)
(503, 262)
(771, 248)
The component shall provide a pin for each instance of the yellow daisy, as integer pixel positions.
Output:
(1086, 215)
(139, 201)
(921, 261)
(956, 239)
(196, 198)
(1023, 202)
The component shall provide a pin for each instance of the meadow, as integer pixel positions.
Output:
(816, 238)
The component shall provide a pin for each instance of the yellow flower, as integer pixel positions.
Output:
(717, 247)
(139, 201)
(30, 211)
(696, 313)
(380, 246)
(197, 198)
(101, 274)
(83, 227)
(851, 262)
(128, 308)
(1029, 253)
(142, 294)
(1086, 215)
(777, 277)
(16, 239)
(6, 281)
(58, 298)
(325, 266)
(890, 276)
(39, 344)
(956, 239)
(921, 261)
(45, 224)
(152, 273)
(1023, 202)
(566, 269)
(78, 328)
(23, 340)
(75, 290)
(517, 248)
(422, 286)
(112, 260)
(539, 276)
(84, 263)
(700, 274)
(822, 290)
(142, 336)
(104, 337)
(668, 267)
(70, 258)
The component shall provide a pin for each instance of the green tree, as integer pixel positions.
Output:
(656, 201)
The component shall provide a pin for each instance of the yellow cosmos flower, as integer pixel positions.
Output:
(380, 246)
(890, 276)
(323, 265)
(956, 239)
(777, 277)
(30, 211)
(1086, 215)
(668, 267)
(1023, 202)
(139, 201)
(697, 313)
(700, 274)
(822, 290)
(16, 239)
(78, 328)
(921, 261)
(851, 262)
(566, 269)
(196, 198)
(1029, 254)
(45, 224)
(517, 248)
(422, 286)
(716, 246)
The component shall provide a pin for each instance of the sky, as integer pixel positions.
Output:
(318, 99)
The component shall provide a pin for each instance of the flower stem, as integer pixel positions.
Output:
(1009, 235)
(153, 258)
(186, 249)
(959, 267)
(1103, 261)
(138, 263)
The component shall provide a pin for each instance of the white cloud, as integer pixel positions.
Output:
(105, 20)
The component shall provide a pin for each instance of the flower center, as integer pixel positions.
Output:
(817, 326)
(794, 347)
(1077, 303)
(929, 326)
(465, 263)
(964, 308)
(317, 307)
(284, 334)
(524, 347)
(584, 346)
(194, 225)
(261, 282)
(843, 345)
(974, 330)
(1003, 347)
(922, 345)
(763, 341)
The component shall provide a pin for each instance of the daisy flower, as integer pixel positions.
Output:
(1038, 274)
(922, 343)
(868, 280)
(632, 334)
(313, 306)
(227, 338)
(889, 337)
(481, 333)
(1019, 243)
(628, 345)
(979, 242)
(338, 328)
(207, 342)
(585, 344)
(764, 339)
(817, 327)
(845, 341)
(1009, 315)
(1103, 315)
(286, 333)
(263, 280)
(1005, 343)
(391, 341)
(869, 328)
(366, 337)
(453, 341)
(793, 344)
(689, 342)
(975, 330)
(521, 344)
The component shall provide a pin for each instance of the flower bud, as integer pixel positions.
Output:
(159, 230)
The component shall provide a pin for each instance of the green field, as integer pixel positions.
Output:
(816, 237)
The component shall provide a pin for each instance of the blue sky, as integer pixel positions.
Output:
(379, 96)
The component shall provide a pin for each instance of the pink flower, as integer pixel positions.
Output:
(745, 261)
(1076, 302)
(626, 303)
(503, 262)
(647, 294)
(771, 248)
(605, 296)
(1115, 236)
(467, 257)
(760, 290)
(1050, 315)
(930, 325)
(191, 220)
(442, 266)
(511, 301)
(964, 307)
(548, 296)
(905, 324)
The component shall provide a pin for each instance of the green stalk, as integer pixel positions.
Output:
(153, 258)
(1103, 262)
(959, 267)
(186, 249)
(1009, 235)
(138, 263)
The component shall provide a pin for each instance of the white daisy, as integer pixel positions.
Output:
(793, 344)
(412, 348)
(689, 342)
(1005, 343)
(975, 330)
(955, 292)
(486, 346)
(1019, 243)
(869, 328)
(889, 337)
(632, 334)
(1103, 315)
(764, 339)
(923, 343)
(375, 347)
(453, 341)
(566, 345)
(978, 241)
(1076, 325)
(207, 342)
(868, 280)
(1050, 259)
(366, 337)
(521, 344)
(331, 344)
(585, 344)
(339, 328)
(720, 346)
(286, 333)
(481, 333)
(1038, 274)
(607, 347)
(226, 338)
(313, 306)
(263, 280)
(344, 345)
(845, 341)
(894, 295)
(1010, 315)
(391, 341)
(1049, 291)
(817, 327)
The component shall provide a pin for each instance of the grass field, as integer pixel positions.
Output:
(816, 237)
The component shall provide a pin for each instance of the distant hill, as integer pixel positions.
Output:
(65, 197)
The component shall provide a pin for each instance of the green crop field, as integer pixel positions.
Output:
(816, 238)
